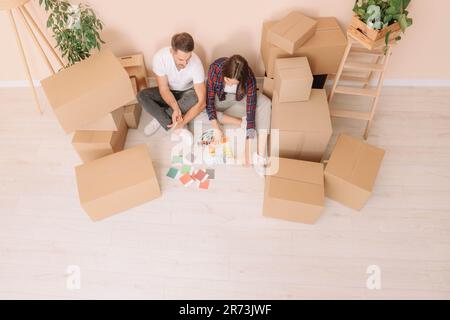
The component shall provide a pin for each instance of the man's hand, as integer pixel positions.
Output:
(177, 119)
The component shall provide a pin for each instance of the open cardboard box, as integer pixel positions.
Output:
(133, 111)
(135, 66)
(88, 91)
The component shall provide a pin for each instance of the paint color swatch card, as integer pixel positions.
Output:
(200, 176)
(211, 174)
(173, 172)
(186, 169)
(186, 180)
(177, 159)
(204, 185)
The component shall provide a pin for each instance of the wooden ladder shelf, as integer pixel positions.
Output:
(380, 61)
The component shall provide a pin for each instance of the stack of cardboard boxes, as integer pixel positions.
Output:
(294, 49)
(96, 100)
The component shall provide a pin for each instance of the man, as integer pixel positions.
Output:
(181, 92)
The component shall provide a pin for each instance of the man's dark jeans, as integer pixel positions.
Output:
(152, 102)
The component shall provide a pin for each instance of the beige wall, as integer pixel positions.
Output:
(234, 26)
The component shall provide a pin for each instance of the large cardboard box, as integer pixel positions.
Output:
(352, 171)
(305, 127)
(88, 90)
(324, 50)
(292, 31)
(110, 122)
(296, 192)
(92, 145)
(293, 79)
(268, 87)
(135, 66)
(117, 182)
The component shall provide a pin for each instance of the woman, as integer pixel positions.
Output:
(230, 80)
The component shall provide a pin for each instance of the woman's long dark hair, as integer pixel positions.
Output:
(236, 67)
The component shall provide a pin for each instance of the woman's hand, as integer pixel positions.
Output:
(218, 133)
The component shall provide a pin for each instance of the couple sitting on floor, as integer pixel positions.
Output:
(230, 95)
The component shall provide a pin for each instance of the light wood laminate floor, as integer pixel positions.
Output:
(216, 244)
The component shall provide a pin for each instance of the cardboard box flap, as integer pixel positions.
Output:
(83, 78)
(327, 23)
(296, 191)
(306, 116)
(293, 68)
(114, 172)
(92, 137)
(132, 60)
(293, 25)
(356, 162)
(309, 172)
(328, 33)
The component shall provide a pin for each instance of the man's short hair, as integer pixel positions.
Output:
(183, 41)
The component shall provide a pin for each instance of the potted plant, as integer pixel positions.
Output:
(378, 22)
(76, 29)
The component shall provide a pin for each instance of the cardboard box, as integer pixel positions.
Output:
(305, 127)
(135, 66)
(324, 50)
(351, 172)
(110, 122)
(293, 79)
(117, 182)
(92, 145)
(296, 192)
(268, 86)
(88, 90)
(292, 31)
(135, 90)
(133, 115)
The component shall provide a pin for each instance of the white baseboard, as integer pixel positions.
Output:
(387, 83)
(18, 84)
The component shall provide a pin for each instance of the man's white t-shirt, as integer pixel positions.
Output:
(182, 80)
